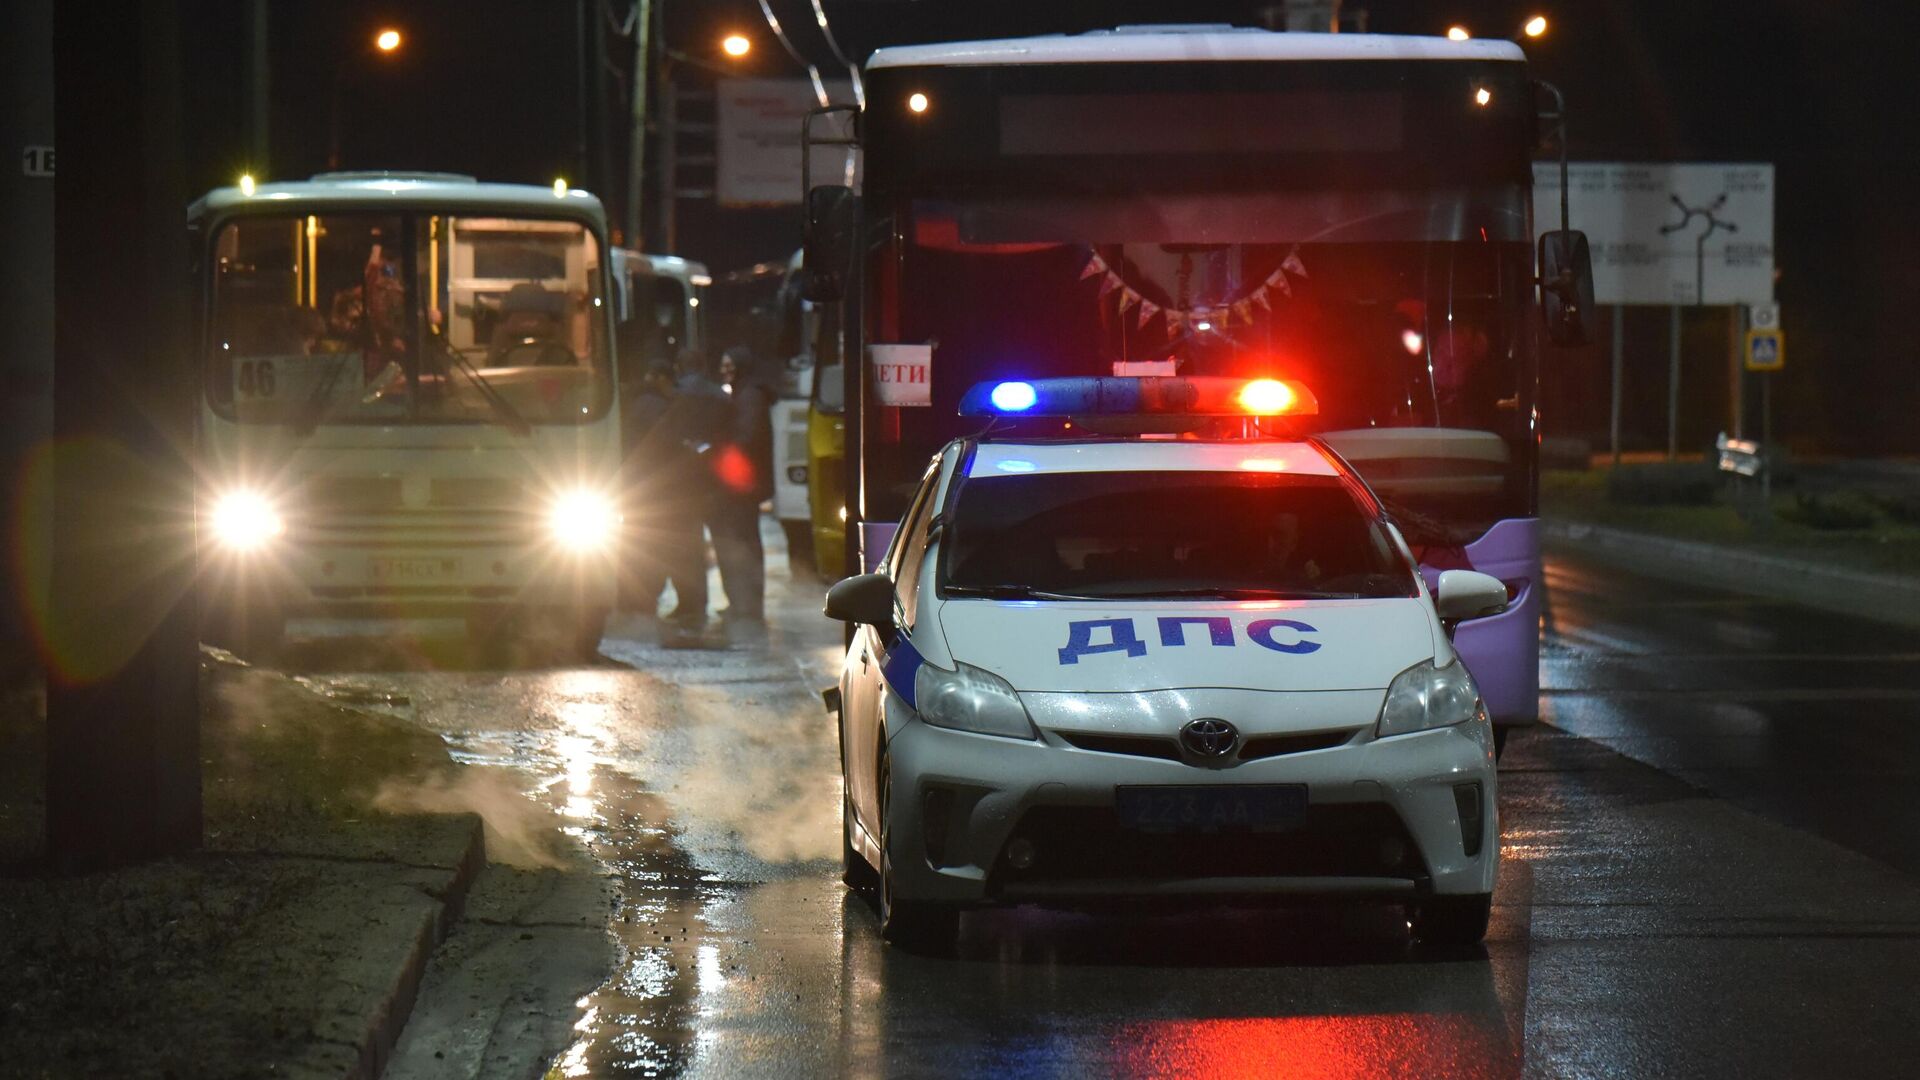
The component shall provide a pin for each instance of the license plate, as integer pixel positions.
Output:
(1211, 807)
(402, 570)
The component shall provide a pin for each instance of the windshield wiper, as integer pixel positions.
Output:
(314, 409)
(502, 408)
(1012, 592)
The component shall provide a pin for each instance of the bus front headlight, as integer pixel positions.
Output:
(245, 520)
(584, 521)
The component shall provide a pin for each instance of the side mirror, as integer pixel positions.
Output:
(866, 599)
(827, 255)
(1468, 594)
(1566, 286)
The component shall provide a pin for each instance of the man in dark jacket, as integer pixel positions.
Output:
(743, 473)
(675, 423)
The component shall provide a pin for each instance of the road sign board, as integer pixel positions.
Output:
(1763, 317)
(1662, 232)
(757, 140)
(1766, 350)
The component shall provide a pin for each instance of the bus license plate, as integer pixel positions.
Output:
(1211, 807)
(404, 570)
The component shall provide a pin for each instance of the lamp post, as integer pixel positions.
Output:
(387, 42)
(648, 70)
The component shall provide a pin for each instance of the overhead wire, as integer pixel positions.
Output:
(853, 71)
(819, 86)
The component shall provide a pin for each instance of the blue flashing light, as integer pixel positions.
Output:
(1014, 397)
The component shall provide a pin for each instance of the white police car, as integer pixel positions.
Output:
(1098, 668)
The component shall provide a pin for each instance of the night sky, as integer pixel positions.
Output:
(490, 88)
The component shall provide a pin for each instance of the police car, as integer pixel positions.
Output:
(1109, 658)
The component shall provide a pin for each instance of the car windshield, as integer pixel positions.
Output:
(406, 318)
(1107, 535)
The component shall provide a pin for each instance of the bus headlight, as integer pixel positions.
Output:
(245, 520)
(584, 521)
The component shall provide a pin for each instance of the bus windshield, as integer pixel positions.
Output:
(407, 318)
(1363, 227)
(1400, 310)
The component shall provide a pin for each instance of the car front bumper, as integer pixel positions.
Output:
(1385, 818)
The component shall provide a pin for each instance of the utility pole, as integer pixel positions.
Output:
(123, 718)
(637, 132)
(602, 177)
(259, 88)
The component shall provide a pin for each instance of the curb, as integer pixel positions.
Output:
(1883, 597)
(396, 1005)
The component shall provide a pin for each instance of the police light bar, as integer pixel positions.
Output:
(1101, 395)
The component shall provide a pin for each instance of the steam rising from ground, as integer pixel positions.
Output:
(520, 832)
(764, 770)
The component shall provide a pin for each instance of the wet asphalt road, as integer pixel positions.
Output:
(1710, 859)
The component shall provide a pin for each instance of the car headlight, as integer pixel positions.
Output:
(1425, 697)
(584, 521)
(245, 520)
(969, 699)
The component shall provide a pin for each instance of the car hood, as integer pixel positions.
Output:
(1108, 647)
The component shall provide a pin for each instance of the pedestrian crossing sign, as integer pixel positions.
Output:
(1766, 350)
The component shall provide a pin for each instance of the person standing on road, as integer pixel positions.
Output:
(676, 419)
(743, 471)
(696, 424)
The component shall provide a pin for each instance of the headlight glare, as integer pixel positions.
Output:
(970, 699)
(1424, 697)
(584, 521)
(245, 520)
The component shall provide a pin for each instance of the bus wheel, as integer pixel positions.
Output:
(800, 549)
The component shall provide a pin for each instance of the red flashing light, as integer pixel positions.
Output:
(1267, 397)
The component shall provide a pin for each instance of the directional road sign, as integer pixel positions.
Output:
(1668, 233)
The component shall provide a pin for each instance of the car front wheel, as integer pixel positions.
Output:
(918, 926)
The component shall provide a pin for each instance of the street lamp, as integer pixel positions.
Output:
(386, 43)
(1457, 33)
(736, 45)
(1535, 27)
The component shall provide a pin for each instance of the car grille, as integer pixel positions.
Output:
(1266, 746)
(1151, 746)
(1253, 748)
(1079, 843)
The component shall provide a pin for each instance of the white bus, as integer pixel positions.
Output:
(408, 405)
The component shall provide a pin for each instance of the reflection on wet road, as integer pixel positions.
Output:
(705, 782)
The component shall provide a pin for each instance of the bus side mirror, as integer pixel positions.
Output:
(827, 254)
(864, 599)
(1566, 286)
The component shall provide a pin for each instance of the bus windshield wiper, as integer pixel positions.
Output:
(314, 409)
(1012, 592)
(502, 408)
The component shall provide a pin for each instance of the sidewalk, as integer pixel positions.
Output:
(1871, 571)
(292, 945)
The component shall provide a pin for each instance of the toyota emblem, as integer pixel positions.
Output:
(1210, 738)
